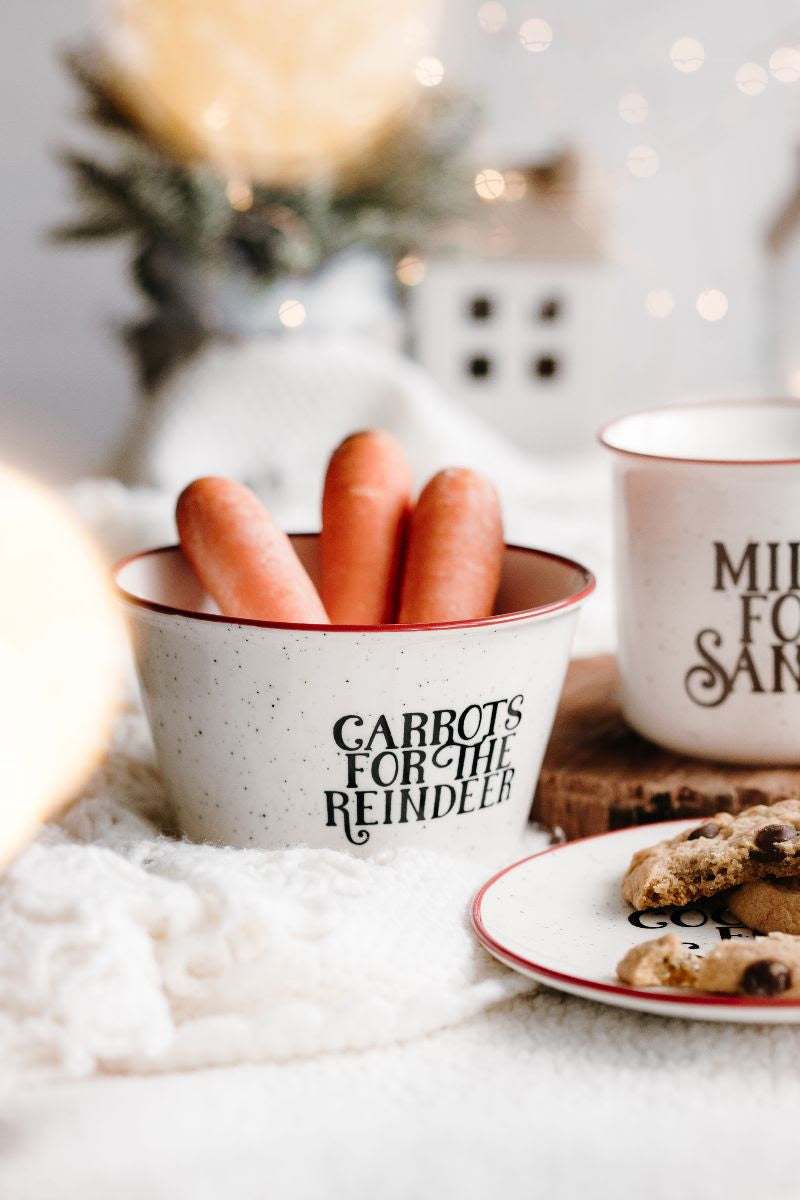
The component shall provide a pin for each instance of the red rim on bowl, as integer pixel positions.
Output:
(548, 973)
(603, 435)
(587, 586)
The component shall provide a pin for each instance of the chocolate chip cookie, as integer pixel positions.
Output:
(659, 962)
(721, 853)
(769, 905)
(768, 967)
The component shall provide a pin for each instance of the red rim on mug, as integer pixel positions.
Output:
(574, 598)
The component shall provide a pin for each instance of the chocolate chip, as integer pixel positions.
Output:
(770, 839)
(767, 977)
(709, 830)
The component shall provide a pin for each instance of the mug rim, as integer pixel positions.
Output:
(757, 402)
(573, 600)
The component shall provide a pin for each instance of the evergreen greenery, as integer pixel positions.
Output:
(178, 215)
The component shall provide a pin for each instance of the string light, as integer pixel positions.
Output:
(642, 161)
(429, 71)
(633, 108)
(687, 55)
(240, 194)
(515, 185)
(535, 35)
(216, 116)
(784, 64)
(751, 78)
(660, 302)
(410, 270)
(490, 184)
(712, 304)
(292, 314)
(492, 16)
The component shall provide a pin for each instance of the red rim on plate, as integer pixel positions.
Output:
(588, 584)
(777, 402)
(546, 973)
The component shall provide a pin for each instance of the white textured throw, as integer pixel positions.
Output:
(127, 950)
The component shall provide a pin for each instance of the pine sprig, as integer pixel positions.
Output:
(180, 219)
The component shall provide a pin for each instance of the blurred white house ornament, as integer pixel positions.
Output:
(60, 643)
(514, 326)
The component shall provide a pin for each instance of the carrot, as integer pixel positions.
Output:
(241, 557)
(365, 507)
(455, 550)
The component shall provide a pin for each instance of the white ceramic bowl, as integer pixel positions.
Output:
(707, 531)
(358, 739)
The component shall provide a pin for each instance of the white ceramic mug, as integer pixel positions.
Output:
(707, 530)
(359, 739)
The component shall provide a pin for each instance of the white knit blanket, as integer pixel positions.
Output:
(127, 950)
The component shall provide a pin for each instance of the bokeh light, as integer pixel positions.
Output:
(492, 16)
(240, 194)
(292, 314)
(793, 382)
(751, 78)
(515, 185)
(784, 63)
(535, 35)
(660, 302)
(687, 55)
(642, 161)
(216, 116)
(712, 304)
(410, 270)
(633, 108)
(61, 643)
(490, 184)
(430, 71)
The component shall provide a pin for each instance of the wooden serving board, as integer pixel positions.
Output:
(599, 775)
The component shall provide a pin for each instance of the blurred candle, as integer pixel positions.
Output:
(60, 643)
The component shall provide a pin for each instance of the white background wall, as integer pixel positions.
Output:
(727, 160)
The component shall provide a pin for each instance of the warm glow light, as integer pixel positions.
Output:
(490, 184)
(216, 116)
(430, 71)
(793, 382)
(292, 314)
(642, 161)
(61, 640)
(687, 54)
(272, 92)
(410, 270)
(633, 108)
(240, 194)
(660, 302)
(751, 78)
(712, 304)
(492, 16)
(784, 63)
(535, 35)
(515, 185)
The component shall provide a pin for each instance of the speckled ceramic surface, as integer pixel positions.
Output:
(560, 918)
(358, 740)
(707, 515)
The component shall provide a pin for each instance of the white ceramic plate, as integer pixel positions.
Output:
(559, 917)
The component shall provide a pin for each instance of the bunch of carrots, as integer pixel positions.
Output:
(383, 559)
